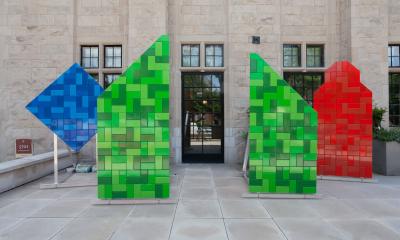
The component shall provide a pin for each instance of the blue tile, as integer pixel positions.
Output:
(68, 107)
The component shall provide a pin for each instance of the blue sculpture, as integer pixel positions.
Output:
(68, 107)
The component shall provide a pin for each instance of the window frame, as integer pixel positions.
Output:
(112, 57)
(390, 99)
(214, 55)
(93, 74)
(105, 77)
(390, 56)
(303, 87)
(321, 56)
(190, 56)
(299, 56)
(98, 56)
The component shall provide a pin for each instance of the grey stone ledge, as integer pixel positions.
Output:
(12, 165)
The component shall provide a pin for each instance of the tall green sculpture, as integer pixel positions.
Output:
(282, 134)
(133, 129)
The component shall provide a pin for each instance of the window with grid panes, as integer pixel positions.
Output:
(315, 56)
(90, 56)
(113, 56)
(190, 55)
(394, 55)
(214, 55)
(291, 55)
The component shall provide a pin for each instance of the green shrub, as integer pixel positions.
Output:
(377, 117)
(390, 135)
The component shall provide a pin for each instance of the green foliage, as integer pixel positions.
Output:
(377, 117)
(391, 135)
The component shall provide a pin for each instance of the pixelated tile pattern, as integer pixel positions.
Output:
(344, 107)
(68, 106)
(282, 134)
(133, 129)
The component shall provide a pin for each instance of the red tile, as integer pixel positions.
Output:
(344, 107)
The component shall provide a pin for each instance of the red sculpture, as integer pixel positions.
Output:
(344, 107)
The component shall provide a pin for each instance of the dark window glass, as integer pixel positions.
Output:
(95, 76)
(394, 55)
(291, 55)
(109, 78)
(202, 113)
(113, 56)
(394, 99)
(305, 83)
(214, 55)
(90, 56)
(315, 56)
(190, 55)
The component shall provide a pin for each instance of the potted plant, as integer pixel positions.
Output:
(386, 146)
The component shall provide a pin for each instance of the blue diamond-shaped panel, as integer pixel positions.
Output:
(68, 106)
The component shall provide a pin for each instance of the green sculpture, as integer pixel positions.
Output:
(282, 134)
(133, 129)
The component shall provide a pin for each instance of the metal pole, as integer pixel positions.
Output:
(246, 156)
(55, 160)
(97, 163)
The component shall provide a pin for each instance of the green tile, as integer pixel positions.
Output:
(282, 133)
(133, 126)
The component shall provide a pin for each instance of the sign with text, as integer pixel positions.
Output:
(23, 148)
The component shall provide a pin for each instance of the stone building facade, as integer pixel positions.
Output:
(41, 38)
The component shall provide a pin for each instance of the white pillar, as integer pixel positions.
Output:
(55, 160)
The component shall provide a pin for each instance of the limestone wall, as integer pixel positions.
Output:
(369, 42)
(41, 38)
(36, 39)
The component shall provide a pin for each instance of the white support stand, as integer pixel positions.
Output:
(55, 159)
(96, 152)
(246, 158)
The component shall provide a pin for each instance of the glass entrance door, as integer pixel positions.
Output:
(202, 118)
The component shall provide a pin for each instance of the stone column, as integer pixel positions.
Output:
(369, 42)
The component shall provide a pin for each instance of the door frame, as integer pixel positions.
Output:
(200, 158)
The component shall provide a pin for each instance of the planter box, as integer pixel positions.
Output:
(386, 158)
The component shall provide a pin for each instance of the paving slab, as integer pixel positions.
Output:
(66, 208)
(392, 223)
(198, 229)
(20, 192)
(198, 209)
(198, 193)
(309, 229)
(89, 229)
(197, 182)
(206, 203)
(7, 201)
(335, 209)
(365, 229)
(376, 208)
(230, 181)
(254, 229)
(35, 229)
(153, 211)
(243, 209)
(24, 208)
(6, 223)
(82, 193)
(107, 211)
(143, 229)
(49, 194)
(231, 192)
(289, 208)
